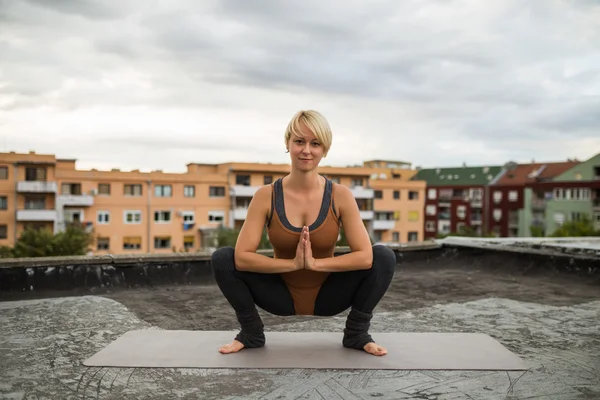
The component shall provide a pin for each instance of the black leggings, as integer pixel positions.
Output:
(359, 290)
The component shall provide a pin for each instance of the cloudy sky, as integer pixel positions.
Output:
(157, 84)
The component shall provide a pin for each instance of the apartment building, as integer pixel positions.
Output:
(398, 201)
(571, 195)
(154, 212)
(516, 203)
(455, 198)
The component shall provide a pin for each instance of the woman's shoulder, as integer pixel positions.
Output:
(341, 191)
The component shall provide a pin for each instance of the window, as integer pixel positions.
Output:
(35, 202)
(133, 217)
(461, 212)
(476, 194)
(357, 182)
(104, 189)
(188, 217)
(189, 191)
(3, 172)
(576, 216)
(497, 214)
(216, 216)
(559, 218)
(71, 188)
(413, 195)
(132, 242)
(430, 226)
(103, 217)
(163, 190)
(35, 174)
(378, 194)
(335, 179)
(431, 194)
(268, 179)
(413, 236)
(243, 180)
(513, 195)
(216, 191)
(103, 243)
(132, 190)
(162, 217)
(413, 215)
(162, 242)
(395, 236)
(3, 203)
(188, 242)
(430, 209)
(396, 195)
(460, 227)
(497, 196)
(3, 231)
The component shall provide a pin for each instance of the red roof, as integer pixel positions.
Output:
(535, 172)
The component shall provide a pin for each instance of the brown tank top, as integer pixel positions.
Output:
(304, 285)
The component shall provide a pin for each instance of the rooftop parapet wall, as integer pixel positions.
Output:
(97, 273)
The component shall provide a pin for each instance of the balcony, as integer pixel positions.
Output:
(82, 200)
(538, 204)
(477, 203)
(239, 214)
(367, 215)
(36, 187)
(243, 191)
(36, 215)
(596, 204)
(513, 222)
(383, 225)
(360, 192)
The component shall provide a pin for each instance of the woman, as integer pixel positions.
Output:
(303, 212)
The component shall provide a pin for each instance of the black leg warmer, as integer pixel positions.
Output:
(356, 333)
(251, 335)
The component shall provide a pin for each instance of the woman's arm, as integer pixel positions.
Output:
(361, 251)
(246, 258)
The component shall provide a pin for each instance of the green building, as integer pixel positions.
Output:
(574, 193)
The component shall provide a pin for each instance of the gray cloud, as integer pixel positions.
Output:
(484, 76)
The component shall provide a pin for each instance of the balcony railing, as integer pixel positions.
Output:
(383, 225)
(36, 215)
(36, 187)
(243, 191)
(367, 215)
(84, 200)
(538, 204)
(240, 214)
(361, 192)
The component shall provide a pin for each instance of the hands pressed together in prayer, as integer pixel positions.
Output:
(304, 258)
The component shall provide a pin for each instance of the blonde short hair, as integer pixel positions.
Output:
(315, 122)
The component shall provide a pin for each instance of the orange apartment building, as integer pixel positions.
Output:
(153, 212)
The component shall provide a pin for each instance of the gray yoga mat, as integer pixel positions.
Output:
(312, 350)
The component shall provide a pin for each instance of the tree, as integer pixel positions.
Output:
(228, 237)
(581, 227)
(75, 240)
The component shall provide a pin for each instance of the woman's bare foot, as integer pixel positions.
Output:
(375, 349)
(232, 347)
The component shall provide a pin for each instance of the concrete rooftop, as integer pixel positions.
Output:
(548, 317)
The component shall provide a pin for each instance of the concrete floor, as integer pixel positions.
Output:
(550, 320)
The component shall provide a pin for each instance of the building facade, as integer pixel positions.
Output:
(154, 212)
(516, 206)
(573, 194)
(455, 199)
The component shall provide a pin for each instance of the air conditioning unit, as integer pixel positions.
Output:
(94, 192)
